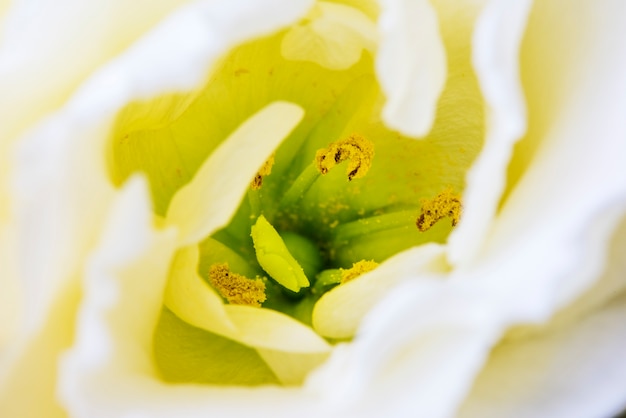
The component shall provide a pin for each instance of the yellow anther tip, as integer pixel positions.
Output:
(235, 288)
(355, 148)
(358, 268)
(445, 204)
(265, 170)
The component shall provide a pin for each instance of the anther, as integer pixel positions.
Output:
(355, 148)
(445, 204)
(358, 268)
(235, 288)
(265, 170)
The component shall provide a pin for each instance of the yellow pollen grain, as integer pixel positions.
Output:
(445, 204)
(355, 148)
(235, 288)
(357, 269)
(265, 170)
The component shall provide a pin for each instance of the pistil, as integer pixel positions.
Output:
(274, 257)
(254, 198)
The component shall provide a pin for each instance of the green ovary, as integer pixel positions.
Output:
(336, 222)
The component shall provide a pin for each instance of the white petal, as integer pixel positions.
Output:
(568, 368)
(334, 37)
(50, 47)
(551, 235)
(125, 275)
(497, 40)
(265, 328)
(109, 371)
(410, 65)
(195, 302)
(206, 203)
(5, 6)
(61, 170)
(339, 312)
(573, 372)
(416, 354)
(10, 296)
(547, 245)
(192, 299)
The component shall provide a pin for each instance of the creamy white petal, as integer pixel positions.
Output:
(10, 296)
(569, 367)
(410, 65)
(123, 288)
(333, 36)
(209, 201)
(192, 299)
(274, 330)
(50, 47)
(574, 372)
(339, 312)
(369, 7)
(56, 222)
(416, 354)
(550, 237)
(61, 169)
(497, 41)
(547, 245)
(5, 5)
(195, 302)
(109, 371)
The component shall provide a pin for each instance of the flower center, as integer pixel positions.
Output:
(305, 227)
(300, 265)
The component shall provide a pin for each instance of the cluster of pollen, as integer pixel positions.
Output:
(265, 170)
(355, 148)
(236, 289)
(357, 269)
(445, 204)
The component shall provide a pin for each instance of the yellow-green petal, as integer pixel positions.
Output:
(184, 353)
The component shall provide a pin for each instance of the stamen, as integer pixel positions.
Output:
(300, 186)
(371, 225)
(446, 203)
(265, 170)
(326, 280)
(235, 288)
(358, 268)
(355, 148)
